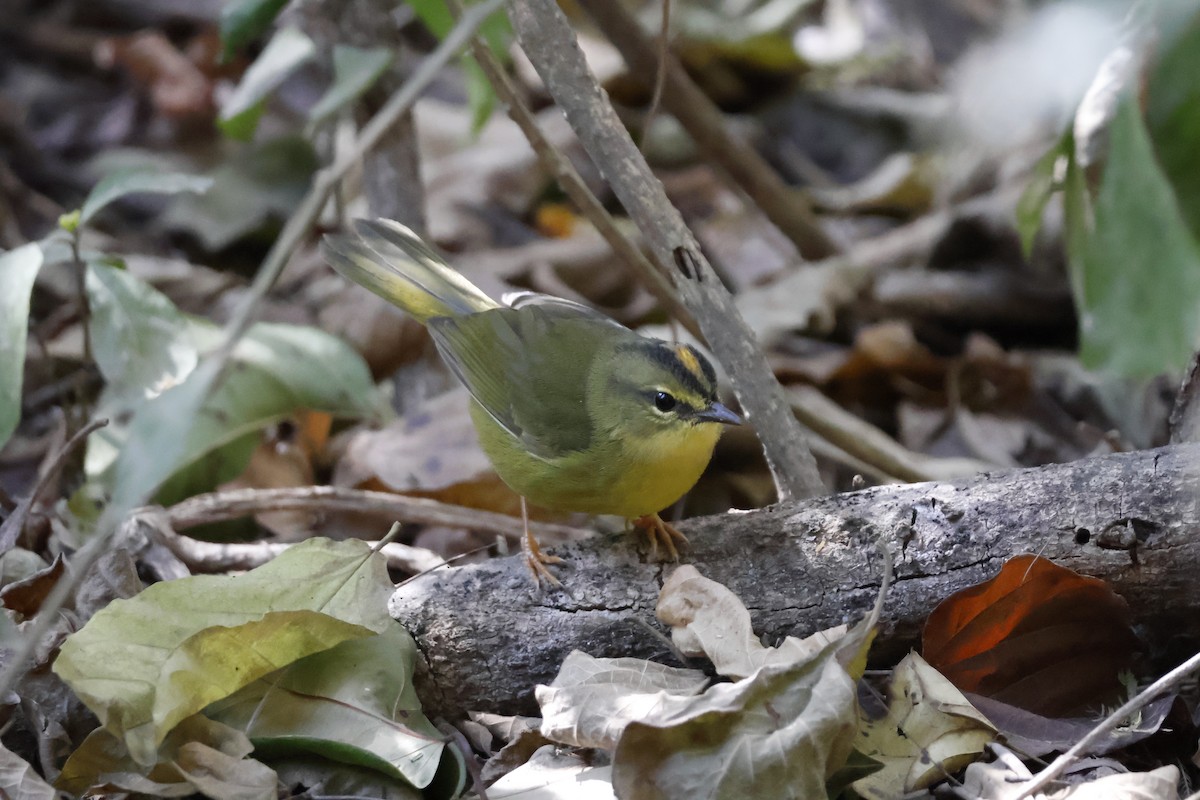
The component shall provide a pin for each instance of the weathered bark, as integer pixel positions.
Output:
(486, 638)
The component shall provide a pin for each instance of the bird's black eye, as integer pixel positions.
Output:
(664, 402)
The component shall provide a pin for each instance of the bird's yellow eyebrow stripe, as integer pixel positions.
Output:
(687, 357)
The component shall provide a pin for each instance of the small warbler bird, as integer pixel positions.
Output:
(575, 411)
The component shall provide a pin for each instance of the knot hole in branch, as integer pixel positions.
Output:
(688, 264)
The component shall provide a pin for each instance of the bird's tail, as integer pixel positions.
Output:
(393, 262)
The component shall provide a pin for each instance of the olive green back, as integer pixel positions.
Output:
(529, 367)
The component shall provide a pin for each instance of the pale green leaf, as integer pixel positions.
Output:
(930, 731)
(136, 180)
(355, 70)
(144, 664)
(1042, 185)
(354, 703)
(242, 21)
(1135, 265)
(188, 438)
(288, 50)
(1173, 114)
(142, 343)
(259, 183)
(102, 763)
(18, 269)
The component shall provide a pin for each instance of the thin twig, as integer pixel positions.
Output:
(204, 509)
(704, 122)
(1059, 765)
(548, 40)
(575, 186)
(212, 557)
(294, 231)
(863, 440)
(392, 112)
(660, 73)
(11, 529)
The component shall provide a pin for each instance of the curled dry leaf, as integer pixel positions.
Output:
(1005, 778)
(707, 619)
(551, 775)
(1037, 636)
(593, 699)
(929, 731)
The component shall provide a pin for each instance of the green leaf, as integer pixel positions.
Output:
(288, 49)
(355, 70)
(1173, 116)
(18, 269)
(495, 30)
(1135, 266)
(137, 180)
(142, 343)
(185, 436)
(242, 21)
(1037, 194)
(274, 371)
(144, 664)
(261, 182)
(354, 703)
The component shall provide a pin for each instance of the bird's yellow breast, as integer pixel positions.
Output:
(626, 476)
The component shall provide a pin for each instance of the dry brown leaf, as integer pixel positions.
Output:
(1037, 636)
(930, 731)
(707, 619)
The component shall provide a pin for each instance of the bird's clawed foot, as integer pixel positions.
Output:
(537, 560)
(658, 530)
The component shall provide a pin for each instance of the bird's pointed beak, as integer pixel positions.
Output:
(718, 413)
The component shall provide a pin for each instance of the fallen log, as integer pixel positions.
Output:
(486, 638)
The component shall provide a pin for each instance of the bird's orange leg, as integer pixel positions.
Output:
(659, 530)
(534, 557)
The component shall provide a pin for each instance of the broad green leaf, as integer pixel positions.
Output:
(188, 437)
(18, 269)
(142, 343)
(1173, 116)
(103, 764)
(243, 21)
(288, 49)
(1042, 185)
(1135, 266)
(20, 781)
(354, 703)
(137, 180)
(144, 664)
(355, 70)
(930, 731)
(782, 732)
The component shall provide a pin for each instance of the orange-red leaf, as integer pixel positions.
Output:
(1037, 636)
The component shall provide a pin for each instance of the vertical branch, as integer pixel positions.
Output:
(706, 125)
(548, 40)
